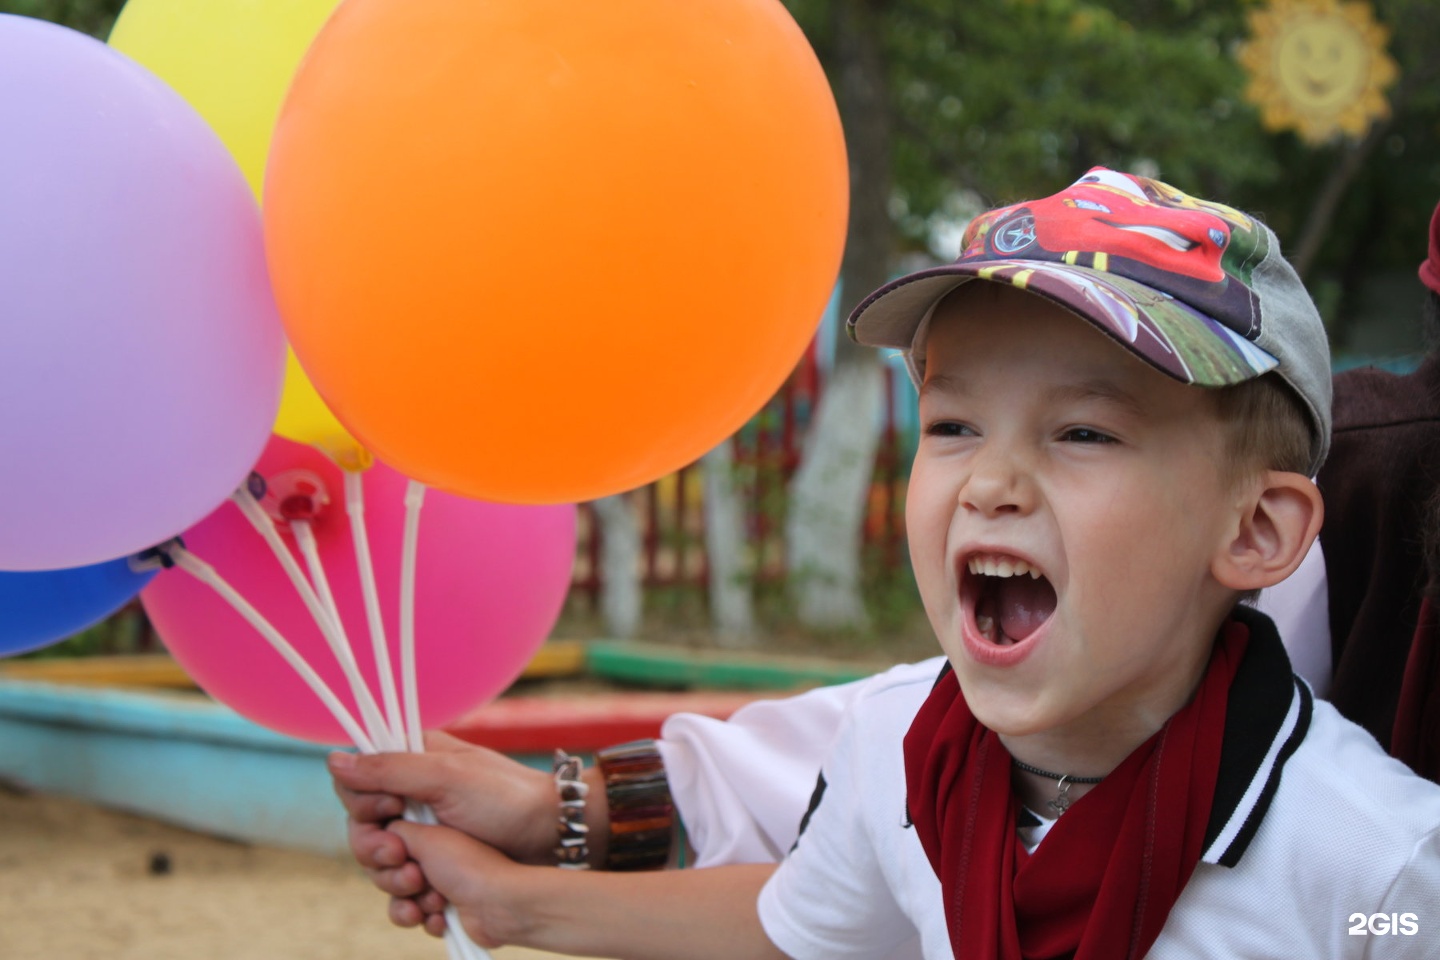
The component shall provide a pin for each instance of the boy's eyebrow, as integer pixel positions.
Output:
(1107, 391)
(943, 383)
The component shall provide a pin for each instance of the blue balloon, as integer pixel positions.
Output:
(41, 607)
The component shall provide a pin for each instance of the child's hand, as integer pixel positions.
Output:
(482, 883)
(477, 791)
(661, 915)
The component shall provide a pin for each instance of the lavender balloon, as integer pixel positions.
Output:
(140, 351)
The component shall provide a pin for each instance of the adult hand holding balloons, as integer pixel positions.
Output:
(140, 354)
(489, 585)
(546, 250)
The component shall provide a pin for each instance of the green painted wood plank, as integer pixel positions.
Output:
(658, 665)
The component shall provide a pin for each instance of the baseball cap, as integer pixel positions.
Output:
(1196, 289)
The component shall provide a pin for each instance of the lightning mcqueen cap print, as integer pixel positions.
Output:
(1196, 289)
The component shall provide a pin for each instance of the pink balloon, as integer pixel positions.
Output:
(490, 580)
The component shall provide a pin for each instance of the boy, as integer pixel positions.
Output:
(1119, 762)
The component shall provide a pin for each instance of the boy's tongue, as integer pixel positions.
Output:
(1019, 604)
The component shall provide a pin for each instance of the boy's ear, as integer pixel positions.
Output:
(1277, 524)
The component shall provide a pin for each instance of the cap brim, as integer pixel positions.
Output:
(1166, 333)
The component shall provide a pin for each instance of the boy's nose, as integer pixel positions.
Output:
(997, 485)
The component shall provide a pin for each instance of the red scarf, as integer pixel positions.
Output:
(1102, 883)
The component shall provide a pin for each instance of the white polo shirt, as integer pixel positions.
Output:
(742, 785)
(1303, 865)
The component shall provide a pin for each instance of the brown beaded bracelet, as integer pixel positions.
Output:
(642, 814)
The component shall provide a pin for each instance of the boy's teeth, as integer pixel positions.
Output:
(986, 626)
(1002, 567)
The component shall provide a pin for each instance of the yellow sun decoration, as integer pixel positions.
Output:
(1318, 67)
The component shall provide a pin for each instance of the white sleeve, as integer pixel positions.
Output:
(742, 785)
(1300, 607)
(829, 898)
(1413, 906)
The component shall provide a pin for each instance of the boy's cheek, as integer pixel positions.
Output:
(926, 531)
(937, 598)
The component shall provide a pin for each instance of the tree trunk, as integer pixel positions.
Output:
(1347, 167)
(825, 519)
(732, 611)
(829, 493)
(620, 593)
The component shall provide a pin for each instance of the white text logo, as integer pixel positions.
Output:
(1404, 924)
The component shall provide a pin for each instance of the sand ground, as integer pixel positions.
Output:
(81, 883)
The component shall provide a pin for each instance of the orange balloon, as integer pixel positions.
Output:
(542, 251)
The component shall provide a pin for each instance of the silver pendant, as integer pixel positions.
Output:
(1062, 800)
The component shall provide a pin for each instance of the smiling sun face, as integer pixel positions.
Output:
(1321, 65)
(1318, 67)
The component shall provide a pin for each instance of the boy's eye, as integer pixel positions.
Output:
(1086, 435)
(949, 428)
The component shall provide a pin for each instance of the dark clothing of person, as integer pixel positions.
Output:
(1416, 738)
(1379, 485)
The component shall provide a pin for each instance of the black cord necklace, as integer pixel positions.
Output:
(1062, 800)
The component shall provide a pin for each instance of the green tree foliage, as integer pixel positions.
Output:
(1028, 94)
(94, 17)
(1013, 98)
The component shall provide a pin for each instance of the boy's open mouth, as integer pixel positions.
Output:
(1009, 598)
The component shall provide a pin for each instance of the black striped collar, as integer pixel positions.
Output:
(1266, 718)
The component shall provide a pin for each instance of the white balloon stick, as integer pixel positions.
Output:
(330, 629)
(414, 732)
(355, 508)
(205, 573)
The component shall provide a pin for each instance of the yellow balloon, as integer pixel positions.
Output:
(233, 61)
(304, 417)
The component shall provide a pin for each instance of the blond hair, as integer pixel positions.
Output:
(1266, 427)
